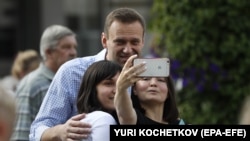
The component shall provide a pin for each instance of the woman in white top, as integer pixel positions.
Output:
(96, 97)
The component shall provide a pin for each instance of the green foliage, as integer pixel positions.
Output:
(211, 42)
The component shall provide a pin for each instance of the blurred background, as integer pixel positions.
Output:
(23, 21)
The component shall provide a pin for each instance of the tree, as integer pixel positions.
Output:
(209, 45)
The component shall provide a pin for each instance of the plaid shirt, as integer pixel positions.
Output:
(29, 95)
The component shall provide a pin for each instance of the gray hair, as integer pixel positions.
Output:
(51, 37)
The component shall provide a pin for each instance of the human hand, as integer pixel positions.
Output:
(129, 73)
(74, 129)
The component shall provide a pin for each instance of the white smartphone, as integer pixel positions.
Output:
(156, 67)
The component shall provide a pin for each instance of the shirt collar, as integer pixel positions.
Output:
(101, 55)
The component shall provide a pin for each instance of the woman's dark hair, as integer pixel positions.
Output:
(87, 100)
(170, 113)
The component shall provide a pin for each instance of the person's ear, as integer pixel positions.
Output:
(49, 52)
(104, 40)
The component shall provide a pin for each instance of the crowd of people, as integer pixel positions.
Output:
(123, 36)
(76, 98)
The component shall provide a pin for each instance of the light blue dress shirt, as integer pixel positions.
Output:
(59, 104)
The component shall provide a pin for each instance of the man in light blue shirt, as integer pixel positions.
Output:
(57, 118)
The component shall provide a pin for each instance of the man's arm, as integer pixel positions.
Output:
(73, 129)
(58, 105)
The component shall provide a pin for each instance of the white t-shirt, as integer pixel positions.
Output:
(100, 122)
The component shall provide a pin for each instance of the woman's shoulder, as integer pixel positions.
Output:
(99, 117)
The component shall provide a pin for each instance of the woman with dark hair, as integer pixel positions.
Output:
(152, 99)
(96, 97)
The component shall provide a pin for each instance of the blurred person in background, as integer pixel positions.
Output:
(25, 62)
(7, 114)
(57, 45)
(244, 117)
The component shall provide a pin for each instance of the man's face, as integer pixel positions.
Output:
(124, 41)
(65, 50)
